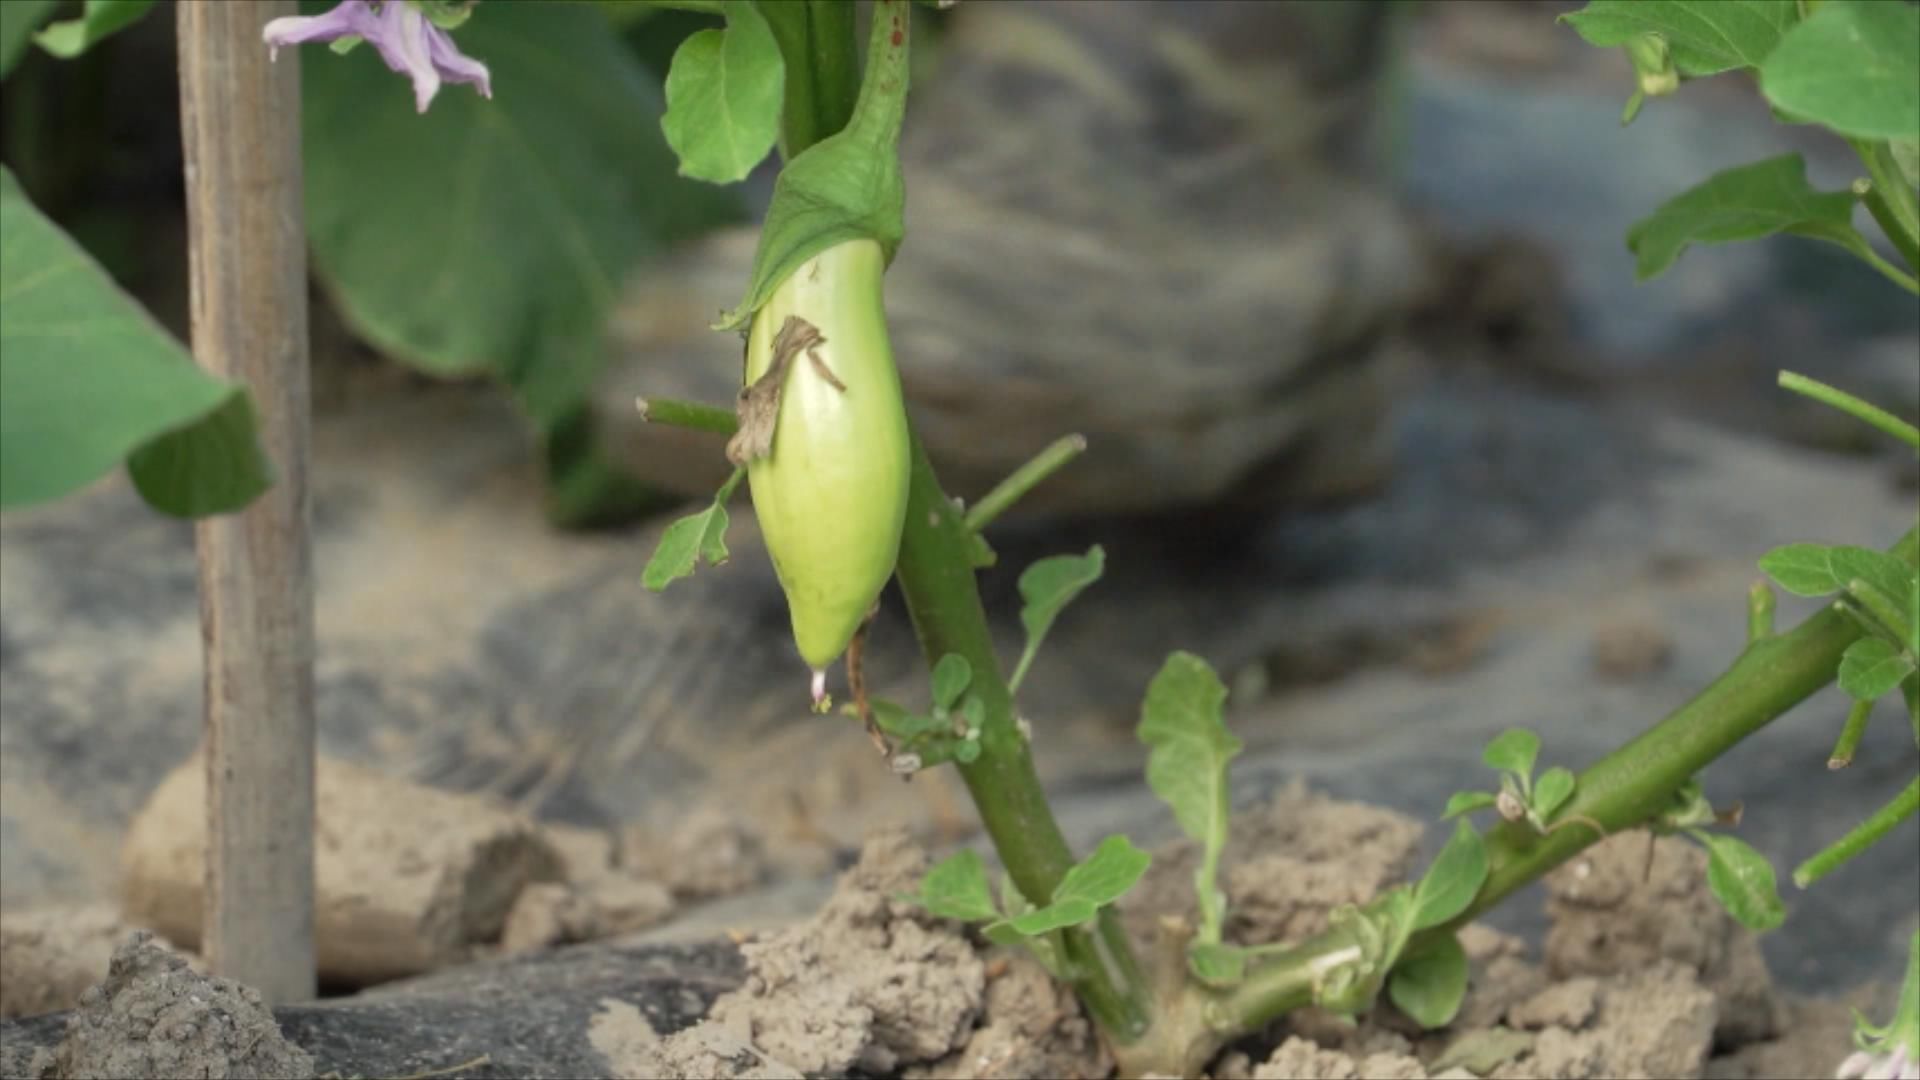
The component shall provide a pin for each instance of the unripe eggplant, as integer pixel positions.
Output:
(831, 495)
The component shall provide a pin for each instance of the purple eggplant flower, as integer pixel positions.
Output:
(409, 43)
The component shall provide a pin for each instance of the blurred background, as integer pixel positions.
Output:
(1379, 422)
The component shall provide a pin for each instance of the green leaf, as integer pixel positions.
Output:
(844, 187)
(18, 20)
(492, 237)
(1216, 964)
(1906, 158)
(1871, 668)
(1431, 982)
(98, 20)
(209, 468)
(1453, 880)
(1746, 203)
(1897, 581)
(87, 378)
(723, 97)
(1802, 569)
(690, 539)
(1046, 588)
(1706, 36)
(1189, 749)
(1466, 802)
(1513, 750)
(1102, 878)
(979, 552)
(1554, 788)
(956, 888)
(1852, 66)
(951, 677)
(1742, 880)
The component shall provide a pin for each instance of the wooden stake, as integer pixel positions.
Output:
(240, 123)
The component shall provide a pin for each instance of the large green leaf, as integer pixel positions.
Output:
(88, 378)
(1746, 203)
(723, 97)
(491, 236)
(18, 20)
(1852, 66)
(1706, 36)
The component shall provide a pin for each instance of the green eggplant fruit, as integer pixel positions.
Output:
(830, 490)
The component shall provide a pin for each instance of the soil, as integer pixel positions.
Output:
(1641, 975)
(154, 1016)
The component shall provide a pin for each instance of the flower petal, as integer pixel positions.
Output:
(349, 17)
(454, 65)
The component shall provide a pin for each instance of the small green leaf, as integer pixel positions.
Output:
(1514, 751)
(1888, 574)
(956, 888)
(88, 379)
(1802, 569)
(1554, 787)
(724, 92)
(951, 677)
(1047, 587)
(966, 751)
(1742, 880)
(1453, 880)
(1431, 982)
(1466, 802)
(1872, 667)
(1099, 880)
(1217, 964)
(975, 713)
(100, 19)
(18, 20)
(1706, 36)
(1746, 203)
(1003, 933)
(687, 541)
(1189, 750)
(979, 552)
(1852, 66)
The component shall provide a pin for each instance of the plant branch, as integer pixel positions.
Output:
(1621, 791)
(1850, 733)
(1025, 479)
(691, 415)
(1860, 410)
(1862, 836)
(1890, 200)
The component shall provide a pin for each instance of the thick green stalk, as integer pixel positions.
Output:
(823, 68)
(936, 577)
(1621, 791)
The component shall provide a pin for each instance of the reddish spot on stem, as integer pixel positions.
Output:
(897, 38)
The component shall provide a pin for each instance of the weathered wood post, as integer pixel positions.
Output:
(240, 122)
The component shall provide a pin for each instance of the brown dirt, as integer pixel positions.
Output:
(407, 878)
(49, 956)
(154, 1016)
(872, 982)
